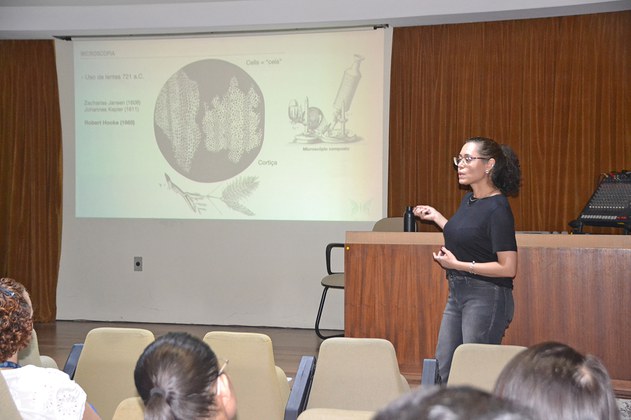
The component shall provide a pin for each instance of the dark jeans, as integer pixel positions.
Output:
(476, 312)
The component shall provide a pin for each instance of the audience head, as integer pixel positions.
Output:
(453, 403)
(178, 377)
(16, 318)
(557, 382)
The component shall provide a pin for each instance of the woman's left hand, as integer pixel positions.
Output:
(445, 258)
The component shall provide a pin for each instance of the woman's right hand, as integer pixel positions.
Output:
(424, 212)
(429, 213)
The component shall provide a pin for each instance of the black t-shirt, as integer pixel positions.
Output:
(479, 230)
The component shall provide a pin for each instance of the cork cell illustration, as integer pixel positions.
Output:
(209, 120)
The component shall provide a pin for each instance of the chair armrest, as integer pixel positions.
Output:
(71, 363)
(329, 248)
(299, 395)
(430, 372)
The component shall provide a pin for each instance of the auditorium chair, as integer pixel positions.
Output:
(131, 408)
(105, 369)
(31, 356)
(473, 364)
(335, 280)
(335, 414)
(261, 388)
(360, 374)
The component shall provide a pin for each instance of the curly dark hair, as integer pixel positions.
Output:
(16, 318)
(506, 174)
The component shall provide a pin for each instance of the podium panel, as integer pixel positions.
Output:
(575, 289)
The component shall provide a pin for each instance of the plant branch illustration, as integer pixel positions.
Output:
(232, 195)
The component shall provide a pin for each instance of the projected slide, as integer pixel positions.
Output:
(267, 127)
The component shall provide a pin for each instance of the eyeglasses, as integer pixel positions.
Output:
(223, 367)
(7, 292)
(467, 159)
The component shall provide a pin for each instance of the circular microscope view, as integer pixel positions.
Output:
(209, 120)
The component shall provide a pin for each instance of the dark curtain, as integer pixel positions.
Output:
(30, 171)
(558, 90)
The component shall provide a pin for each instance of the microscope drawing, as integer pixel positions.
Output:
(316, 127)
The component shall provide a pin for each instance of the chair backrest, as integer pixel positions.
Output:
(260, 387)
(480, 365)
(335, 414)
(356, 374)
(131, 408)
(105, 369)
(9, 410)
(31, 355)
(389, 224)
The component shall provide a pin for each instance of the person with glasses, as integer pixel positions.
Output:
(38, 393)
(178, 376)
(480, 251)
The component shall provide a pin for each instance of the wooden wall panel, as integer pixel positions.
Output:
(575, 289)
(557, 90)
(404, 311)
(577, 296)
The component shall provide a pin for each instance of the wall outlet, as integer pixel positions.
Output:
(137, 263)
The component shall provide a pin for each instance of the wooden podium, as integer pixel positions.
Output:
(575, 289)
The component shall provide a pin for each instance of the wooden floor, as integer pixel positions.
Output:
(290, 344)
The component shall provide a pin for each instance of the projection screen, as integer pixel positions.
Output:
(274, 126)
(225, 164)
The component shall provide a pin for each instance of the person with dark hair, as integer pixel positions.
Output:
(178, 377)
(453, 403)
(39, 393)
(557, 382)
(480, 251)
